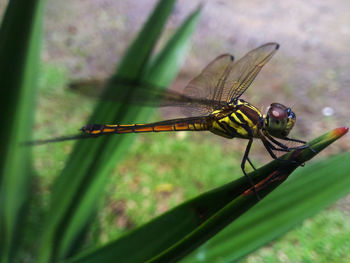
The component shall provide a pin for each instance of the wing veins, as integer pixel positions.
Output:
(243, 74)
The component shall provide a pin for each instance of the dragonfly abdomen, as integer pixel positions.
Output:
(186, 124)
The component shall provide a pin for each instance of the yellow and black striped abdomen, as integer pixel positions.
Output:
(185, 124)
(239, 120)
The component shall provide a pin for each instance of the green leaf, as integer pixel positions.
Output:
(85, 175)
(176, 233)
(20, 40)
(308, 191)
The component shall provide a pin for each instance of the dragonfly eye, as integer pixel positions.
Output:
(291, 115)
(280, 120)
(276, 112)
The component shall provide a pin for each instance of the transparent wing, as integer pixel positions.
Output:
(219, 83)
(208, 85)
(245, 70)
(139, 93)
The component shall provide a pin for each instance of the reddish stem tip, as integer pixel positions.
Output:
(340, 131)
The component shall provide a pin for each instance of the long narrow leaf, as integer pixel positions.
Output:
(267, 178)
(308, 191)
(162, 71)
(86, 173)
(176, 233)
(20, 38)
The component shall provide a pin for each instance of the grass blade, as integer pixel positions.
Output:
(308, 191)
(184, 228)
(86, 173)
(20, 39)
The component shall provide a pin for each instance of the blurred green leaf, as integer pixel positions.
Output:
(20, 40)
(308, 191)
(176, 233)
(85, 175)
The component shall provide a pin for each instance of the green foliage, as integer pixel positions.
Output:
(324, 238)
(71, 206)
(20, 38)
(86, 172)
(188, 165)
(201, 218)
(308, 191)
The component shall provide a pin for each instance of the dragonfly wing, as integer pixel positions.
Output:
(245, 70)
(137, 92)
(218, 84)
(208, 85)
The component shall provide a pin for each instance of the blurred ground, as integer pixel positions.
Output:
(309, 73)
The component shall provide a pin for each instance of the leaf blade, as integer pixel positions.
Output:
(87, 180)
(185, 227)
(20, 41)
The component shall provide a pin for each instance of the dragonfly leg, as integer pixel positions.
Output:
(251, 164)
(274, 148)
(244, 160)
(283, 146)
(294, 140)
(306, 145)
(270, 148)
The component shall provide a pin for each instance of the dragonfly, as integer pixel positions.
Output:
(212, 100)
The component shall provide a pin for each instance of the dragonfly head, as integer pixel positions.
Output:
(279, 120)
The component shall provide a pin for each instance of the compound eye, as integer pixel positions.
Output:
(292, 115)
(280, 120)
(277, 113)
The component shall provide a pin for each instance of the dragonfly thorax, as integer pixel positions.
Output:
(279, 120)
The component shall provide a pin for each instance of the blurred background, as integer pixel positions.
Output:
(86, 39)
(309, 72)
